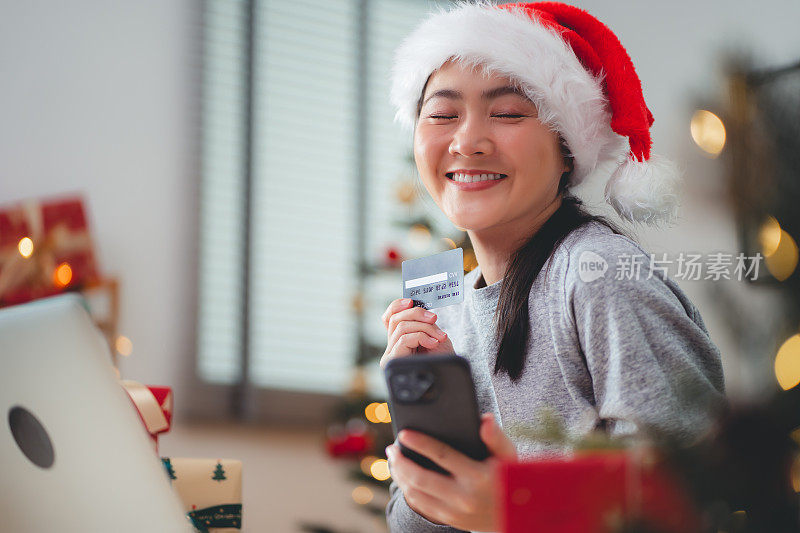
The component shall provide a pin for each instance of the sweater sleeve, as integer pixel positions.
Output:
(652, 363)
(402, 519)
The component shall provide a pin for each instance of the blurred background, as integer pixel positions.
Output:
(248, 201)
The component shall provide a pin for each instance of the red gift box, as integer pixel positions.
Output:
(154, 405)
(59, 235)
(598, 493)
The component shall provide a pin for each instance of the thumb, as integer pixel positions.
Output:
(495, 440)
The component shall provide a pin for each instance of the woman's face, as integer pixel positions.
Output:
(471, 126)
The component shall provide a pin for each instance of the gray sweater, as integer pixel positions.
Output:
(606, 349)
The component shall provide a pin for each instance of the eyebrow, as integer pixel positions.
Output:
(488, 94)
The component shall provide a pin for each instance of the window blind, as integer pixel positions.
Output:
(303, 263)
(222, 192)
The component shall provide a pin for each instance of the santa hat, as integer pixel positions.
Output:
(575, 71)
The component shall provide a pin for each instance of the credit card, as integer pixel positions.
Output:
(436, 280)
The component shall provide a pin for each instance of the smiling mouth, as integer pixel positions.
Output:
(468, 178)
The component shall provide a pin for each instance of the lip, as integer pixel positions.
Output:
(478, 185)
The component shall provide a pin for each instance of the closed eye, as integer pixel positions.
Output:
(442, 116)
(507, 115)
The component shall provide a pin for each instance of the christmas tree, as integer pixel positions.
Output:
(168, 467)
(219, 473)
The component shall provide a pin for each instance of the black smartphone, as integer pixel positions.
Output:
(435, 395)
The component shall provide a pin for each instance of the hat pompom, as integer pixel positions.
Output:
(645, 191)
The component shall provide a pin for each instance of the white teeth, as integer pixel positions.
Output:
(467, 178)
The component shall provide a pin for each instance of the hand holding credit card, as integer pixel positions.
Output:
(436, 280)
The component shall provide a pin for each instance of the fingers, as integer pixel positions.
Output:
(394, 307)
(496, 441)
(407, 344)
(437, 451)
(413, 326)
(415, 314)
(418, 482)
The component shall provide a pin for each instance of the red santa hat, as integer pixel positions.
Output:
(575, 71)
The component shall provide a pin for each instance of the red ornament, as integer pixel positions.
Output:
(392, 257)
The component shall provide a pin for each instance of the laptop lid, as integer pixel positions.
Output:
(74, 455)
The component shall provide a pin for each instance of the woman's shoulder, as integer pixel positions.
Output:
(594, 249)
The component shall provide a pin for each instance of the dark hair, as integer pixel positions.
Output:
(525, 264)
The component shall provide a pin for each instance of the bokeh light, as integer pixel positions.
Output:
(362, 495)
(708, 132)
(450, 243)
(366, 464)
(62, 275)
(787, 363)
(769, 236)
(369, 412)
(380, 469)
(470, 262)
(123, 345)
(25, 247)
(419, 237)
(382, 413)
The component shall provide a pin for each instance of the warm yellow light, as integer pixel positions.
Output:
(769, 236)
(362, 495)
(795, 474)
(369, 412)
(469, 261)
(123, 345)
(419, 236)
(783, 260)
(25, 247)
(708, 132)
(450, 243)
(62, 275)
(366, 464)
(787, 363)
(382, 413)
(380, 469)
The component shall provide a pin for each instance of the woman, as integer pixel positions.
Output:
(510, 110)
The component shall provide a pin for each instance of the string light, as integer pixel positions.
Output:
(380, 469)
(708, 132)
(369, 412)
(366, 464)
(25, 247)
(382, 413)
(362, 495)
(787, 363)
(63, 275)
(123, 345)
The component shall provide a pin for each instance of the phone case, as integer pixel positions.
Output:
(435, 394)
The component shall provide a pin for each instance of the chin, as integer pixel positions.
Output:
(472, 221)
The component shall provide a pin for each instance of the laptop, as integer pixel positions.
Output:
(74, 455)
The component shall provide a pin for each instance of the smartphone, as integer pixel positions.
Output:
(435, 395)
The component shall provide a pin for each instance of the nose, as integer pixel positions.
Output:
(471, 138)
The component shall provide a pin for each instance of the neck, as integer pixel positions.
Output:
(494, 246)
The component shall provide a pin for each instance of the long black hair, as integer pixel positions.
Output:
(524, 265)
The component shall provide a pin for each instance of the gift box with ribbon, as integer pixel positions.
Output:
(154, 405)
(601, 492)
(45, 248)
(210, 489)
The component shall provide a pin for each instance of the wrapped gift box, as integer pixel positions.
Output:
(154, 405)
(59, 233)
(595, 492)
(210, 489)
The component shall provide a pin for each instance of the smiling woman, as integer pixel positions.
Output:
(504, 126)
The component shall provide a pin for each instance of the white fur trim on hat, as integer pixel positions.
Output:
(569, 98)
(645, 191)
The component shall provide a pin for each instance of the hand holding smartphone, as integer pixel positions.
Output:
(435, 395)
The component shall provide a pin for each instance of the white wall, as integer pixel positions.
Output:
(99, 97)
